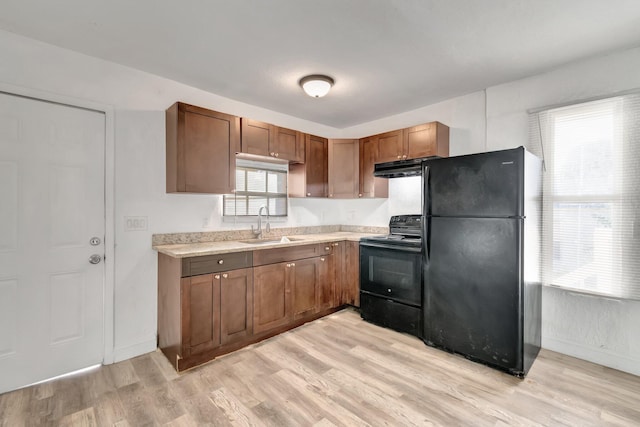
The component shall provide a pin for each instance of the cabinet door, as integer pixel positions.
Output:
(236, 305)
(370, 186)
(288, 145)
(310, 179)
(256, 137)
(271, 297)
(316, 166)
(339, 268)
(344, 157)
(430, 139)
(351, 289)
(201, 147)
(327, 282)
(200, 297)
(390, 146)
(304, 284)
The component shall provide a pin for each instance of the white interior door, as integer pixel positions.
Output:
(51, 205)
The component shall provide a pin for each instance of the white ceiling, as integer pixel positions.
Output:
(386, 56)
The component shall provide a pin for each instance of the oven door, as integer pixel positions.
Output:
(391, 271)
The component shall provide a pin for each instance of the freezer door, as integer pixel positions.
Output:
(472, 285)
(480, 185)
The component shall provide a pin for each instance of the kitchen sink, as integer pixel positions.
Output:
(268, 241)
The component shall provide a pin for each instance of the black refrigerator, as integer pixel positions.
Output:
(481, 257)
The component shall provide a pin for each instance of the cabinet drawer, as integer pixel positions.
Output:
(292, 253)
(195, 266)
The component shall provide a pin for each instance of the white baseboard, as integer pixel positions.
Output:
(128, 352)
(592, 354)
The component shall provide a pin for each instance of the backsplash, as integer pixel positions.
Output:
(232, 235)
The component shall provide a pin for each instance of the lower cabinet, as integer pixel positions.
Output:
(216, 310)
(204, 312)
(287, 292)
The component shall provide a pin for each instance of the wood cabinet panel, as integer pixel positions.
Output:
(288, 144)
(327, 282)
(201, 328)
(236, 305)
(310, 179)
(429, 139)
(344, 173)
(201, 147)
(256, 137)
(304, 284)
(390, 146)
(351, 284)
(271, 297)
(369, 185)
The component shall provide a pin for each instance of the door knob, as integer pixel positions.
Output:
(95, 259)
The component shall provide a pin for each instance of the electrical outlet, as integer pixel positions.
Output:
(135, 223)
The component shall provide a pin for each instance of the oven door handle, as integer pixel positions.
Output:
(392, 247)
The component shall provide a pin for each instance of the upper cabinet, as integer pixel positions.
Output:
(264, 139)
(429, 139)
(201, 148)
(370, 186)
(344, 159)
(310, 179)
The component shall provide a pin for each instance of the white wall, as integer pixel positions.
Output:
(593, 328)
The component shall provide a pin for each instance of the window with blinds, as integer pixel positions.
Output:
(591, 234)
(257, 184)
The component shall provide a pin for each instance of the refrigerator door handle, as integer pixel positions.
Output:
(426, 208)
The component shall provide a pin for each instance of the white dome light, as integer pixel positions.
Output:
(316, 85)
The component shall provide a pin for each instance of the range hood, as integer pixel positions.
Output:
(400, 168)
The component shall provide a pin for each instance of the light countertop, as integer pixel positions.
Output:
(184, 250)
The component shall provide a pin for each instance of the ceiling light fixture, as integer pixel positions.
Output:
(316, 85)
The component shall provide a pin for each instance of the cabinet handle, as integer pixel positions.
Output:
(220, 261)
(404, 157)
(322, 259)
(272, 154)
(327, 248)
(293, 264)
(217, 276)
(225, 275)
(308, 194)
(277, 154)
(399, 156)
(336, 244)
(360, 195)
(330, 195)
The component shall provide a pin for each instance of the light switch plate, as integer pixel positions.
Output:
(135, 223)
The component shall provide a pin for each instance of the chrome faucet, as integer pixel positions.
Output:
(258, 232)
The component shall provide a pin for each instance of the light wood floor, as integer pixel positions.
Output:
(335, 371)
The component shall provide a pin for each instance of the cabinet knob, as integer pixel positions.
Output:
(404, 157)
(327, 248)
(288, 264)
(336, 244)
(322, 259)
(272, 154)
(217, 276)
(360, 195)
(330, 195)
(308, 194)
(293, 264)
(399, 157)
(220, 261)
(277, 154)
(225, 275)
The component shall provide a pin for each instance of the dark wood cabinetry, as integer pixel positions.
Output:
(429, 139)
(369, 185)
(344, 171)
(310, 179)
(264, 139)
(201, 147)
(271, 297)
(214, 304)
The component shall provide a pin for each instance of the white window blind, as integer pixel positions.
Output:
(591, 201)
(257, 184)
